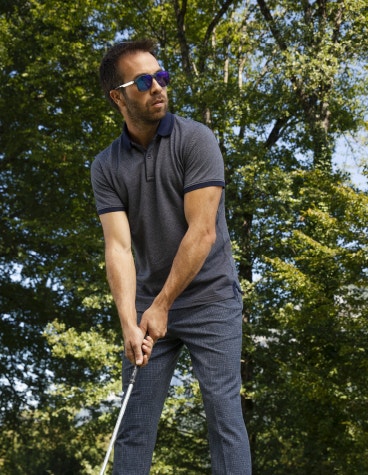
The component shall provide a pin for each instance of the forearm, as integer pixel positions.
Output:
(191, 255)
(200, 207)
(121, 277)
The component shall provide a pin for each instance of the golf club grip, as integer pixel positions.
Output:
(134, 375)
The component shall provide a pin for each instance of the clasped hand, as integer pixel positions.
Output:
(139, 340)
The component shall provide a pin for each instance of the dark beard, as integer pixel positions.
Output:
(141, 116)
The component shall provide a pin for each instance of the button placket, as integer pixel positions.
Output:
(150, 175)
(149, 160)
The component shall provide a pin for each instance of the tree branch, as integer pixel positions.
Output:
(272, 24)
(180, 13)
(210, 30)
(276, 132)
(338, 21)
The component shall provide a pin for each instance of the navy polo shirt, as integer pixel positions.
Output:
(149, 185)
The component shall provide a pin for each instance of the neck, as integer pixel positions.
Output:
(143, 134)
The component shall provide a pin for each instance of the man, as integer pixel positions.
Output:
(159, 189)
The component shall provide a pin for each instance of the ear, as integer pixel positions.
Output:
(117, 97)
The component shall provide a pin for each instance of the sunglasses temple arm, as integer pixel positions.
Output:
(125, 85)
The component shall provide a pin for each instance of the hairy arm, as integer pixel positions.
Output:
(121, 276)
(200, 207)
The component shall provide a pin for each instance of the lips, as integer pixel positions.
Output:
(158, 102)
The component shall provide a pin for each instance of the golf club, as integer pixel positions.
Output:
(121, 414)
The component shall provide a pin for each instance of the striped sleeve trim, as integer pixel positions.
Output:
(204, 185)
(110, 210)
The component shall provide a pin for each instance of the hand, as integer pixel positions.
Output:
(138, 347)
(154, 322)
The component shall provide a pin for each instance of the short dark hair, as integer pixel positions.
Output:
(109, 75)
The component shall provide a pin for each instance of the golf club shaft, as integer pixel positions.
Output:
(118, 422)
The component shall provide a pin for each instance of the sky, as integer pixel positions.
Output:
(350, 155)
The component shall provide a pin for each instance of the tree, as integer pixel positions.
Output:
(278, 82)
(50, 241)
(310, 355)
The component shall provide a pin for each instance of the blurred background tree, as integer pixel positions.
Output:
(280, 83)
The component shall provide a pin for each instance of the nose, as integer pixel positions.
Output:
(155, 85)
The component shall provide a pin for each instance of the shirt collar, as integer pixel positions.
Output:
(165, 128)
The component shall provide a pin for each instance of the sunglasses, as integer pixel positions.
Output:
(144, 82)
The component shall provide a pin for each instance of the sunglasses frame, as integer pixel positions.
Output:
(156, 76)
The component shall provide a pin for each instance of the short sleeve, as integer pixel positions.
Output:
(106, 196)
(203, 165)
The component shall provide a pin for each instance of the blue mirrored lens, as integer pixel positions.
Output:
(144, 82)
(163, 78)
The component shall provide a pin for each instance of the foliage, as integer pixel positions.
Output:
(51, 116)
(279, 83)
(310, 369)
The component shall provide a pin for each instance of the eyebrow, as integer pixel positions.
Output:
(149, 74)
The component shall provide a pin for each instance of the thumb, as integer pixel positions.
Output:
(138, 355)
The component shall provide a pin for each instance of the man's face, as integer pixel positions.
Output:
(147, 107)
